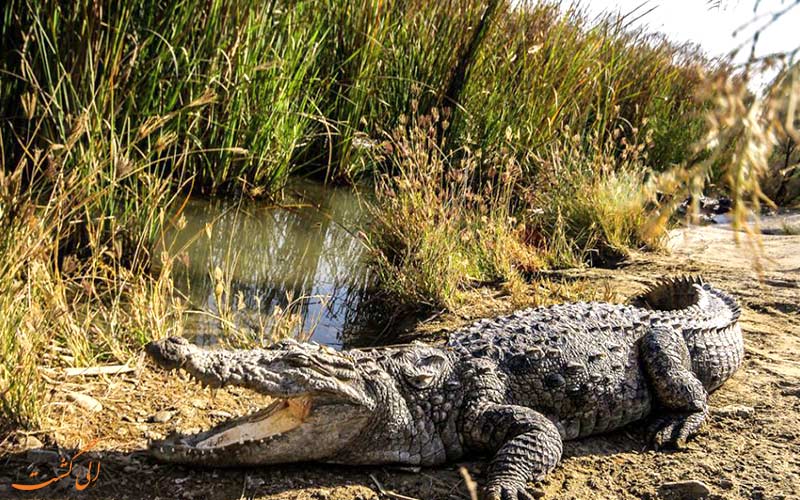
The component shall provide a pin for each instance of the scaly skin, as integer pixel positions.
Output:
(514, 386)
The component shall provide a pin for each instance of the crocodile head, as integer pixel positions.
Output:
(346, 407)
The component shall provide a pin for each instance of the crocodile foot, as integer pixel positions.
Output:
(510, 491)
(673, 430)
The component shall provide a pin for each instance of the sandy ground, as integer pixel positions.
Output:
(750, 448)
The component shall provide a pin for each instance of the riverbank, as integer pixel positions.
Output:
(748, 449)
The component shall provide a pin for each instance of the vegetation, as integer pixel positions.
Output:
(500, 141)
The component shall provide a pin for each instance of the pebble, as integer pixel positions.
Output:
(84, 401)
(162, 416)
(200, 403)
(29, 442)
(685, 490)
(740, 411)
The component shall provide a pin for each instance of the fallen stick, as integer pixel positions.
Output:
(97, 370)
(389, 493)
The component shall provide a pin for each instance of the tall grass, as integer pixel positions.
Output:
(435, 230)
(447, 221)
(583, 113)
(221, 91)
(546, 66)
(60, 307)
(241, 94)
(380, 55)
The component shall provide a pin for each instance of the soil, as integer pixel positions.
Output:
(749, 449)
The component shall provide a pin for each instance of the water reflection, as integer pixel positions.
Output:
(252, 266)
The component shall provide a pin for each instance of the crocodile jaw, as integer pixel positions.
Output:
(297, 429)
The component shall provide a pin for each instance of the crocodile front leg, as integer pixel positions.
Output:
(526, 444)
(668, 365)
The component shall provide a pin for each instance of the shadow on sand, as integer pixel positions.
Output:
(136, 475)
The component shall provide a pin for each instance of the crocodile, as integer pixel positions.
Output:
(512, 387)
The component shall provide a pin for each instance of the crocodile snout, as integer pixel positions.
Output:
(169, 353)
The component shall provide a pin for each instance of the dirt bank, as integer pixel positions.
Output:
(750, 448)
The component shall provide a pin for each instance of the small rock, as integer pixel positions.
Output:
(30, 442)
(84, 401)
(200, 403)
(684, 490)
(162, 416)
(726, 484)
(729, 411)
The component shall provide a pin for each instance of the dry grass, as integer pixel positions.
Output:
(449, 221)
(435, 229)
(68, 311)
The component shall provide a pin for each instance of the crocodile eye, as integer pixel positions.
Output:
(434, 360)
(421, 380)
(297, 358)
(422, 372)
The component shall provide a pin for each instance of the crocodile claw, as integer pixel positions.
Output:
(673, 431)
(511, 491)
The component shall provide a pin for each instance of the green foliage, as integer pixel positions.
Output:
(543, 69)
(241, 94)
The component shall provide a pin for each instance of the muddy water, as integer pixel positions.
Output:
(257, 269)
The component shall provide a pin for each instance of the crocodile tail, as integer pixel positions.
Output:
(708, 319)
(670, 294)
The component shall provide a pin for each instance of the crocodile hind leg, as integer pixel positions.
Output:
(526, 444)
(668, 365)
